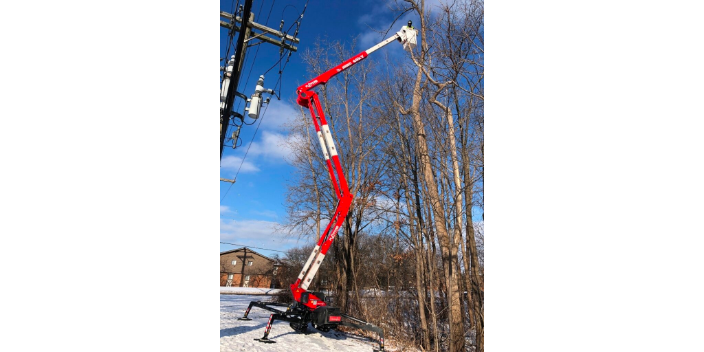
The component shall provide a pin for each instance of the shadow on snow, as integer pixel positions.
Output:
(241, 330)
(333, 335)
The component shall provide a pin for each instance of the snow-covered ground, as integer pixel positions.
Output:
(249, 290)
(239, 335)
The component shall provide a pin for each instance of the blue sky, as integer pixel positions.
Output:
(252, 207)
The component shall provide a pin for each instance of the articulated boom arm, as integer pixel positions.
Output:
(310, 307)
(343, 206)
(309, 99)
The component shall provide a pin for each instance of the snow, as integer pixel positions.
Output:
(249, 290)
(239, 335)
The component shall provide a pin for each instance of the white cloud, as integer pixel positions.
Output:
(266, 213)
(378, 10)
(233, 163)
(367, 18)
(370, 38)
(224, 209)
(279, 115)
(384, 202)
(272, 142)
(273, 146)
(257, 233)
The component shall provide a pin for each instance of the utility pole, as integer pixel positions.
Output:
(236, 74)
(235, 79)
(244, 260)
(246, 33)
(264, 29)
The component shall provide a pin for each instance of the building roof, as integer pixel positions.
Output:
(248, 250)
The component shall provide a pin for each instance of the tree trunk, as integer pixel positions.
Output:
(416, 236)
(457, 343)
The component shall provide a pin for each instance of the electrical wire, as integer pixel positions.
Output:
(255, 56)
(231, 36)
(237, 106)
(279, 82)
(297, 23)
(230, 45)
(269, 15)
(261, 118)
(266, 249)
(228, 189)
(246, 152)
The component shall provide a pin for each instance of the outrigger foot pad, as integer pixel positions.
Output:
(244, 319)
(265, 340)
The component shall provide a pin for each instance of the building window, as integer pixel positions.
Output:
(246, 278)
(234, 262)
(250, 263)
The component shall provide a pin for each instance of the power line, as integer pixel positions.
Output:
(228, 191)
(266, 249)
(246, 81)
(245, 154)
(298, 22)
(234, 82)
(230, 35)
(251, 61)
(279, 83)
(266, 23)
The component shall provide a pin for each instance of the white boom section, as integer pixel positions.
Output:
(322, 146)
(313, 270)
(328, 139)
(310, 260)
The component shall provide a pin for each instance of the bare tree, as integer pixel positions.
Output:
(434, 198)
(412, 150)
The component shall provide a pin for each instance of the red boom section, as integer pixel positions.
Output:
(325, 77)
(310, 99)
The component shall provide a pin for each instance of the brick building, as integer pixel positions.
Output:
(258, 270)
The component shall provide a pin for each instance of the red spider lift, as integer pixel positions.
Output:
(310, 307)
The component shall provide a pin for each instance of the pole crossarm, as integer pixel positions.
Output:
(260, 27)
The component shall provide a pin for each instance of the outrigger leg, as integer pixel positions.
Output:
(363, 325)
(263, 305)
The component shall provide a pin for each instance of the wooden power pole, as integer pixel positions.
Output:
(235, 79)
(244, 262)
(245, 32)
